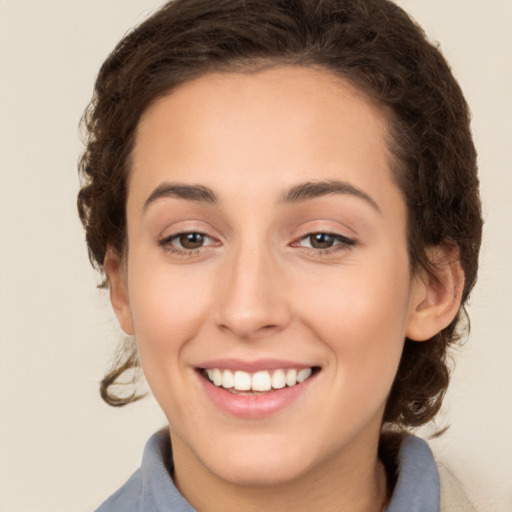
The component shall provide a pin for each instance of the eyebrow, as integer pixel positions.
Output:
(196, 193)
(296, 194)
(314, 189)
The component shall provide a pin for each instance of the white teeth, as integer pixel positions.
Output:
(258, 381)
(261, 381)
(242, 381)
(217, 377)
(302, 375)
(278, 379)
(227, 379)
(291, 377)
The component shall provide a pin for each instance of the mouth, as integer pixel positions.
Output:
(256, 390)
(259, 382)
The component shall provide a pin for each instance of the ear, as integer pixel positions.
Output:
(115, 269)
(436, 295)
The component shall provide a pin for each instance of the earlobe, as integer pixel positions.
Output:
(117, 279)
(436, 295)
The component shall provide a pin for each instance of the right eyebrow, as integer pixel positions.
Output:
(196, 193)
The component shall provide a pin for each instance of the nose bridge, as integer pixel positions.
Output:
(252, 299)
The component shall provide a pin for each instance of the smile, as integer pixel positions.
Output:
(255, 389)
(260, 381)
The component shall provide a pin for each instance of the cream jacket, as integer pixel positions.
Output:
(453, 496)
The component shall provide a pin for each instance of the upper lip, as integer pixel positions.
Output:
(252, 366)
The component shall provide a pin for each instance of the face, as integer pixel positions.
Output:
(266, 277)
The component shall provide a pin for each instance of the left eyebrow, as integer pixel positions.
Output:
(196, 193)
(314, 189)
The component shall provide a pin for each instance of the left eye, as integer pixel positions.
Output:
(324, 241)
(188, 241)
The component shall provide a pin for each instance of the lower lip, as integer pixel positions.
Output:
(254, 406)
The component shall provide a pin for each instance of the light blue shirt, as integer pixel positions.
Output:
(151, 488)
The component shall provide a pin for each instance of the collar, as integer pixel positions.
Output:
(151, 488)
(417, 485)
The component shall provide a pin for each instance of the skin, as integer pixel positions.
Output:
(257, 288)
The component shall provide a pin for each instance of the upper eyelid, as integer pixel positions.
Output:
(344, 232)
(177, 234)
(332, 233)
(325, 232)
(187, 226)
(326, 225)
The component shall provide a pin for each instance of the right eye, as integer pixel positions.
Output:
(189, 241)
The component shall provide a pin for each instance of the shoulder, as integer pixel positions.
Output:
(151, 488)
(126, 498)
(453, 495)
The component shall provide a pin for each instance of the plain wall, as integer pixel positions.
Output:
(61, 448)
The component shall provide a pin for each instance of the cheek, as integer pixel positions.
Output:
(167, 308)
(361, 314)
(359, 299)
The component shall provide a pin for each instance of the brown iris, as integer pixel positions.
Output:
(321, 240)
(191, 240)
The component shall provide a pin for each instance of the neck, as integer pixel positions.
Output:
(355, 482)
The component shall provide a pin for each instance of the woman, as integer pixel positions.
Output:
(283, 199)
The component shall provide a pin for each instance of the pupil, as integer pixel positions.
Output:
(192, 240)
(321, 241)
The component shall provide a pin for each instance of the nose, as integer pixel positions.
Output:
(252, 298)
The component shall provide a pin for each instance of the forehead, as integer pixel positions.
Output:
(273, 127)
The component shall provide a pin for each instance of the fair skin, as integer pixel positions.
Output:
(233, 263)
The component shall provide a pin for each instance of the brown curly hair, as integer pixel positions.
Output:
(374, 45)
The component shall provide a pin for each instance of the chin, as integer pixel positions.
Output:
(249, 472)
(260, 460)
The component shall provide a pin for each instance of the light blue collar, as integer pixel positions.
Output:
(151, 488)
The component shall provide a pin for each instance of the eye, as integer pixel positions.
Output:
(189, 241)
(323, 241)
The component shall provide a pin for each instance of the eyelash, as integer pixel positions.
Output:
(343, 243)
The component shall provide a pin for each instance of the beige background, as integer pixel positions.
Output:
(61, 449)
